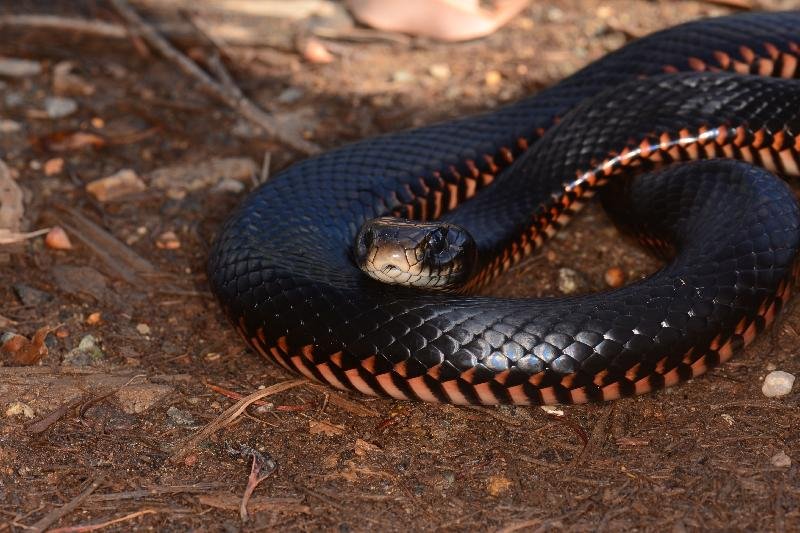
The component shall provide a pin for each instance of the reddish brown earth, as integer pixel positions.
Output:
(105, 432)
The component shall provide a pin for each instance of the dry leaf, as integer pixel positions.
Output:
(18, 350)
(115, 186)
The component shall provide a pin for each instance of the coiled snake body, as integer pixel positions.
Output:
(283, 270)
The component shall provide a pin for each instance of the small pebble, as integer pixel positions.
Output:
(315, 52)
(229, 186)
(290, 95)
(497, 485)
(11, 67)
(570, 281)
(87, 353)
(727, 418)
(180, 418)
(168, 241)
(31, 296)
(777, 383)
(440, 71)
(57, 239)
(143, 329)
(19, 409)
(615, 277)
(115, 186)
(402, 76)
(781, 460)
(53, 166)
(59, 106)
(94, 318)
(9, 126)
(493, 79)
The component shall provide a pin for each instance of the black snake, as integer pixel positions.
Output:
(283, 266)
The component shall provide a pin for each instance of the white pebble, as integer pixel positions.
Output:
(781, 460)
(777, 383)
(143, 329)
(59, 107)
(18, 68)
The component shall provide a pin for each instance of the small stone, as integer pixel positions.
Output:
(554, 14)
(143, 329)
(402, 76)
(31, 296)
(497, 485)
(57, 239)
(440, 71)
(570, 281)
(615, 277)
(87, 353)
(53, 166)
(290, 95)
(212, 356)
(59, 106)
(315, 52)
(180, 418)
(9, 126)
(229, 186)
(136, 399)
(19, 409)
(81, 280)
(168, 241)
(604, 11)
(94, 319)
(493, 79)
(118, 185)
(777, 383)
(12, 67)
(781, 460)
(727, 418)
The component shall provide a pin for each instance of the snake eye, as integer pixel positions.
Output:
(437, 242)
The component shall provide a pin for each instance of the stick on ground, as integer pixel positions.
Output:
(217, 89)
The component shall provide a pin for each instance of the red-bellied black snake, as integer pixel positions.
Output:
(283, 270)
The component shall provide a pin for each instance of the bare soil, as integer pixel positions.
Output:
(103, 431)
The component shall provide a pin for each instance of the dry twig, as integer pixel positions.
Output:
(240, 103)
(60, 512)
(232, 413)
(101, 525)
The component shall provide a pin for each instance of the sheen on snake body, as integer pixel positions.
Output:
(638, 120)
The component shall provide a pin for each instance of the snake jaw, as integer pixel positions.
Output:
(435, 256)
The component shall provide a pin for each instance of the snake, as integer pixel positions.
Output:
(680, 133)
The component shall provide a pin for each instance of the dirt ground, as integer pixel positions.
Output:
(99, 430)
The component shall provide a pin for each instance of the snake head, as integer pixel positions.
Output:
(429, 255)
